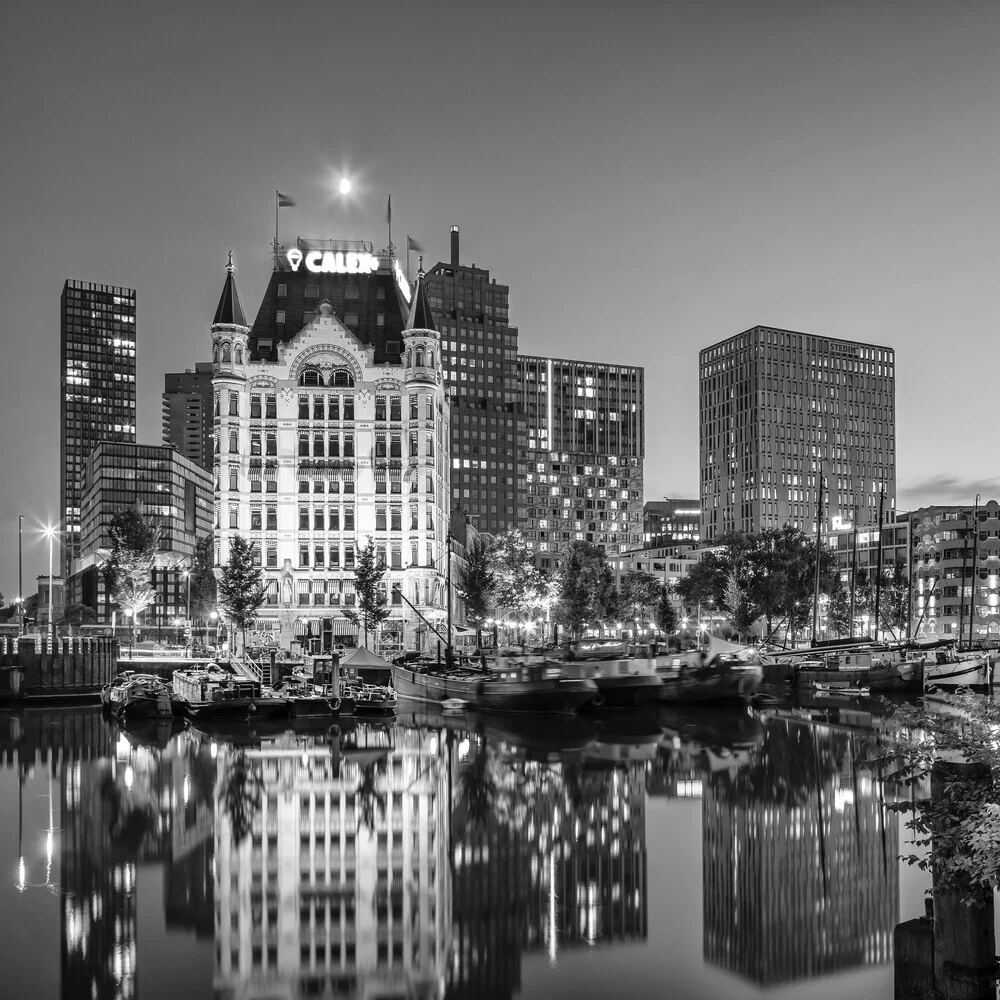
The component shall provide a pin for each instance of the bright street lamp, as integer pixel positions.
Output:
(50, 531)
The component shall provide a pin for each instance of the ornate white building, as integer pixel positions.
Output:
(319, 448)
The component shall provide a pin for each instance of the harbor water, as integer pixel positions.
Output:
(693, 854)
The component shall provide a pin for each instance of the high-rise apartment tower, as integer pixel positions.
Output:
(479, 356)
(97, 346)
(776, 407)
(187, 413)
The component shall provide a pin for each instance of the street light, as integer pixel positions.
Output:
(187, 624)
(20, 581)
(50, 531)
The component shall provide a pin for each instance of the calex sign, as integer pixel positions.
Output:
(328, 262)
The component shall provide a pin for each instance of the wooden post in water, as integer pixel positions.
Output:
(964, 940)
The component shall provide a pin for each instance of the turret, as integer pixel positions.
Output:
(230, 332)
(421, 342)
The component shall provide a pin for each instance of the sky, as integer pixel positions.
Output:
(648, 178)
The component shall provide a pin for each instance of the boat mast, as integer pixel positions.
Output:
(448, 579)
(854, 563)
(878, 572)
(961, 603)
(819, 537)
(975, 554)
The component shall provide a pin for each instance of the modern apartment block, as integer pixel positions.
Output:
(187, 413)
(671, 522)
(331, 428)
(775, 407)
(173, 492)
(97, 403)
(479, 361)
(955, 584)
(583, 450)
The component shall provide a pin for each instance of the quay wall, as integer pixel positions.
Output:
(33, 667)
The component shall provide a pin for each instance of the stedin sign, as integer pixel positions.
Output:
(349, 262)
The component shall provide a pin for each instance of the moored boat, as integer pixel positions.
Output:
(144, 697)
(310, 701)
(204, 693)
(907, 675)
(623, 681)
(370, 699)
(948, 670)
(512, 686)
(719, 679)
(111, 693)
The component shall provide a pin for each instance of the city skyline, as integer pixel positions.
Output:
(779, 171)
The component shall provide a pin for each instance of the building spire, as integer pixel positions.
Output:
(229, 312)
(420, 316)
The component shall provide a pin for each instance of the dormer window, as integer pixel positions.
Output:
(342, 378)
(311, 376)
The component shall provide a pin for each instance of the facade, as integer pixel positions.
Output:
(583, 451)
(97, 348)
(956, 571)
(331, 420)
(668, 563)
(188, 423)
(172, 491)
(479, 362)
(58, 598)
(774, 407)
(671, 522)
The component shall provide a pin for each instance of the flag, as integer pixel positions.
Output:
(388, 211)
(284, 201)
(412, 244)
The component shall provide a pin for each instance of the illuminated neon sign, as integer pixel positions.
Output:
(329, 262)
(404, 285)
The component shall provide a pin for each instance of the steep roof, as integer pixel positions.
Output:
(230, 312)
(420, 317)
(362, 657)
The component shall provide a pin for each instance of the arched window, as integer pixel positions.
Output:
(218, 403)
(342, 378)
(310, 377)
(430, 359)
(239, 354)
(215, 352)
(420, 358)
(227, 354)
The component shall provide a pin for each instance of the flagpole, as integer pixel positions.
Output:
(275, 229)
(388, 219)
(407, 258)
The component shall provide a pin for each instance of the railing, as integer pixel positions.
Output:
(246, 668)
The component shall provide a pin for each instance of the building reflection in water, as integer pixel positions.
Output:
(546, 855)
(800, 871)
(332, 867)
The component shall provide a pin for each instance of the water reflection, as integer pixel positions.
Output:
(432, 857)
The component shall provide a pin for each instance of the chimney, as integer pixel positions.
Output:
(454, 246)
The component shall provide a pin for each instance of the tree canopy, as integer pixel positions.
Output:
(369, 574)
(128, 573)
(586, 594)
(241, 589)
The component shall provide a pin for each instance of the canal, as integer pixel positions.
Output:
(693, 854)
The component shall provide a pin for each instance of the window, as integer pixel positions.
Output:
(397, 558)
(234, 443)
(430, 408)
(380, 408)
(282, 291)
(255, 406)
(395, 408)
(348, 519)
(413, 444)
(396, 523)
(304, 554)
(279, 316)
(414, 413)
(310, 377)
(303, 407)
(318, 519)
(319, 445)
(348, 407)
(348, 446)
(318, 407)
(395, 446)
(303, 444)
(234, 517)
(255, 519)
(255, 485)
(380, 446)
(334, 408)
(348, 554)
(272, 447)
(351, 319)
(413, 519)
(343, 378)
(430, 519)
(334, 445)
(303, 519)
(334, 556)
(255, 442)
(430, 445)
(271, 402)
(272, 518)
(319, 555)
(272, 562)
(380, 518)
(334, 519)
(234, 478)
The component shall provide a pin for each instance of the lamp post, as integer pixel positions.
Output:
(187, 621)
(50, 532)
(20, 581)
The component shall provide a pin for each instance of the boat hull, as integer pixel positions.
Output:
(710, 686)
(310, 708)
(235, 708)
(903, 677)
(628, 691)
(562, 695)
(146, 707)
(954, 674)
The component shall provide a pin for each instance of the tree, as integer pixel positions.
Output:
(78, 614)
(586, 588)
(838, 615)
(368, 575)
(894, 607)
(368, 797)
(241, 589)
(240, 793)
(638, 596)
(476, 586)
(666, 613)
(204, 585)
(517, 587)
(737, 602)
(128, 573)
